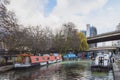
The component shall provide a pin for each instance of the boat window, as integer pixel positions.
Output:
(48, 58)
(37, 59)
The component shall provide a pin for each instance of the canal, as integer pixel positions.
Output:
(69, 70)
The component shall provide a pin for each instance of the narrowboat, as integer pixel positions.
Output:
(23, 60)
(6, 62)
(28, 60)
(44, 60)
(58, 58)
(101, 63)
(52, 59)
(6, 68)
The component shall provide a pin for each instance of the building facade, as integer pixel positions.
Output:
(118, 41)
(90, 32)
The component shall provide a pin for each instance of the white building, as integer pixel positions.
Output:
(117, 42)
(118, 29)
(90, 32)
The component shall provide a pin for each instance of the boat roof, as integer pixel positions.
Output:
(25, 55)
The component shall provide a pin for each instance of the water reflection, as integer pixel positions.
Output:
(58, 71)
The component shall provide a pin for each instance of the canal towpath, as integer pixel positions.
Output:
(116, 69)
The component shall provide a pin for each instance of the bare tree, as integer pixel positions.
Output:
(8, 24)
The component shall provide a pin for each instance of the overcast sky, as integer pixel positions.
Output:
(103, 14)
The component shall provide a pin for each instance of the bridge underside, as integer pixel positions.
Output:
(103, 39)
(102, 48)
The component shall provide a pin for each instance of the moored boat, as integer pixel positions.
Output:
(6, 68)
(28, 60)
(101, 63)
(59, 58)
(44, 60)
(23, 60)
(52, 59)
(6, 62)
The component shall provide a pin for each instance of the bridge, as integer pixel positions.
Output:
(110, 36)
(102, 48)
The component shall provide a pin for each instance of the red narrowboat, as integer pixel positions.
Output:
(28, 60)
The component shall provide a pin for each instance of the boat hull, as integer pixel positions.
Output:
(17, 65)
(59, 60)
(53, 61)
(101, 68)
(43, 63)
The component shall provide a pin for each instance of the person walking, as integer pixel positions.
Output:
(113, 59)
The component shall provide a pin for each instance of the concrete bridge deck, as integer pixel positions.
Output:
(110, 36)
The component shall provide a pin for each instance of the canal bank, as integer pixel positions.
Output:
(116, 70)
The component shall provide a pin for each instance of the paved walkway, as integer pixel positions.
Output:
(116, 69)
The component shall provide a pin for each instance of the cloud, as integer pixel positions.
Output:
(71, 7)
(77, 11)
(105, 20)
(28, 11)
(81, 12)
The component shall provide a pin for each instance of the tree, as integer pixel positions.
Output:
(36, 38)
(8, 25)
(71, 39)
(58, 42)
(83, 46)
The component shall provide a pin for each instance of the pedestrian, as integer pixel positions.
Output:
(100, 61)
(113, 60)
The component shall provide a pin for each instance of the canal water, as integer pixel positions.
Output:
(70, 70)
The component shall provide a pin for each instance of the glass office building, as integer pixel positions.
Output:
(91, 31)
